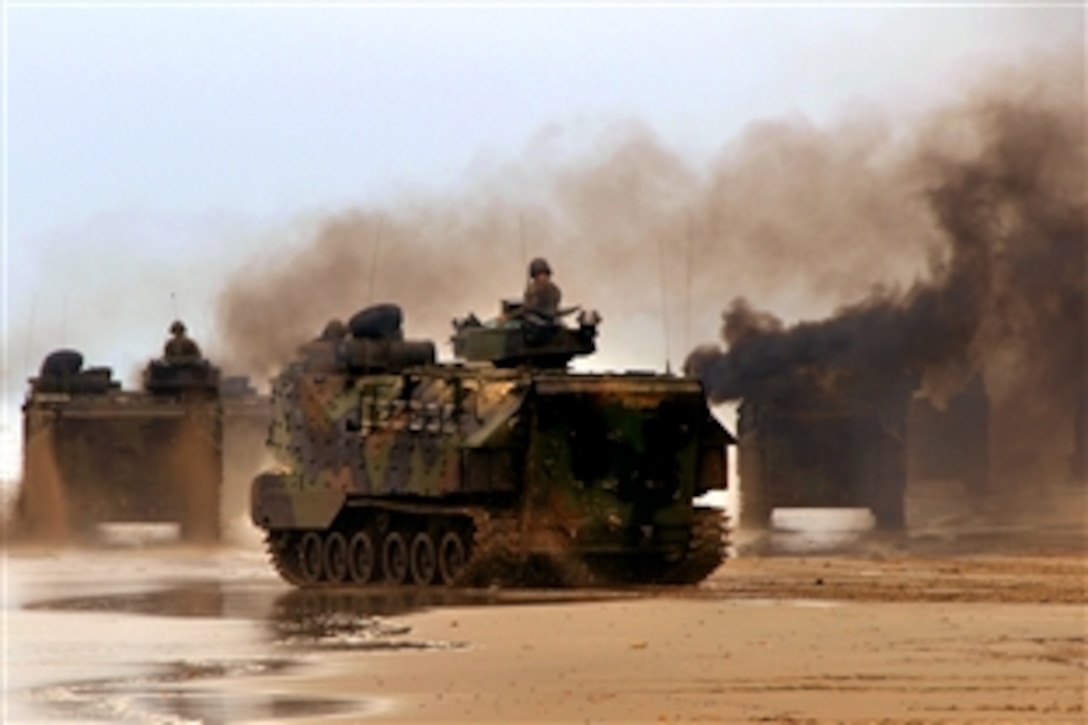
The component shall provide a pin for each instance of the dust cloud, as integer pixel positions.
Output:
(193, 467)
(244, 457)
(801, 215)
(41, 509)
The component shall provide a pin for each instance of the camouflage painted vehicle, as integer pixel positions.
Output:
(504, 466)
(824, 438)
(95, 453)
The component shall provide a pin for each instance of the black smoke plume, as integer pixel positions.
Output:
(1004, 181)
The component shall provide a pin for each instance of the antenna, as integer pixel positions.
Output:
(64, 318)
(30, 330)
(174, 304)
(687, 286)
(374, 257)
(521, 236)
(664, 301)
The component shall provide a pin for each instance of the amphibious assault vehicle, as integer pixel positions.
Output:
(503, 466)
(96, 453)
(822, 437)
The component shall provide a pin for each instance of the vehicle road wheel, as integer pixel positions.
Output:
(336, 557)
(395, 558)
(424, 562)
(361, 557)
(451, 557)
(311, 555)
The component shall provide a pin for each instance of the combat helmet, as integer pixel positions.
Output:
(177, 328)
(539, 265)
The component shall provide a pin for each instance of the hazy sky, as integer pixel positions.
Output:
(172, 142)
(264, 111)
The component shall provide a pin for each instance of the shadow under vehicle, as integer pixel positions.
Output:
(504, 466)
(95, 453)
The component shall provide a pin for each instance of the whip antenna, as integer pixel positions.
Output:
(30, 330)
(521, 236)
(664, 302)
(687, 287)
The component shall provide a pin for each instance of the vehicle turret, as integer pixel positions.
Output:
(522, 337)
(166, 377)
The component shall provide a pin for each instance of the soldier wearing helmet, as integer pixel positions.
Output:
(180, 348)
(542, 295)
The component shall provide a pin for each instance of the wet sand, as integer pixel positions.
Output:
(667, 660)
(987, 625)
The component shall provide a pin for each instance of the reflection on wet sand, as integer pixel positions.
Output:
(212, 598)
(325, 618)
(296, 622)
(356, 620)
(173, 692)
